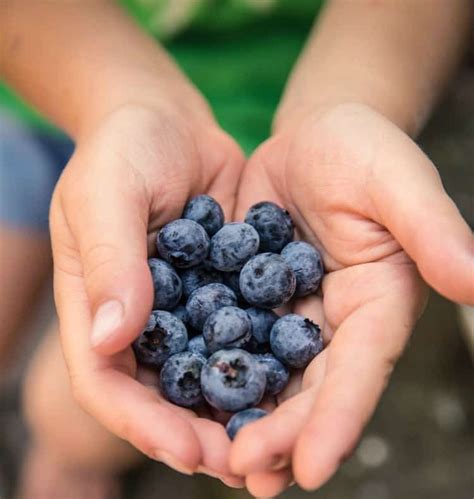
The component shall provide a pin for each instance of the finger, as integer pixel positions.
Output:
(223, 166)
(105, 387)
(140, 418)
(268, 483)
(412, 203)
(361, 357)
(256, 184)
(107, 218)
(215, 448)
(266, 444)
(214, 442)
(224, 190)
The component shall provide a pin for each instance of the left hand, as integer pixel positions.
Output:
(129, 176)
(361, 191)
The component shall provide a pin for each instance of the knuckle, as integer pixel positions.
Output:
(98, 258)
(123, 427)
(126, 429)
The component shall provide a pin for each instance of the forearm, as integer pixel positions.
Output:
(78, 61)
(392, 55)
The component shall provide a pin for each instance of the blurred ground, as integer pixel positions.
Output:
(420, 444)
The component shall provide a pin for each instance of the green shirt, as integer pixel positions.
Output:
(237, 52)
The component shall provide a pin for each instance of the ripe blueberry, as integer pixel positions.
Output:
(180, 312)
(262, 322)
(273, 224)
(198, 276)
(198, 345)
(183, 243)
(231, 279)
(307, 265)
(232, 246)
(267, 281)
(295, 340)
(232, 380)
(207, 299)
(163, 336)
(277, 374)
(180, 379)
(228, 327)
(206, 211)
(166, 284)
(242, 418)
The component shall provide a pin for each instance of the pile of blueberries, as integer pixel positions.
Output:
(212, 331)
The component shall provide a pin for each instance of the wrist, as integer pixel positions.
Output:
(408, 116)
(178, 99)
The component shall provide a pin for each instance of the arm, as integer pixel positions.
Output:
(145, 142)
(393, 56)
(361, 190)
(79, 61)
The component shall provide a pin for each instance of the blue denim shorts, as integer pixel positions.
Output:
(31, 162)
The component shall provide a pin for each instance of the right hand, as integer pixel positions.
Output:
(361, 191)
(129, 176)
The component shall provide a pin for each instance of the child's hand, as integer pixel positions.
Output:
(366, 195)
(127, 178)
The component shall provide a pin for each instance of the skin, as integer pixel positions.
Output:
(340, 159)
(173, 142)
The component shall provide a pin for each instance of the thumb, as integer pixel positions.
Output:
(108, 221)
(413, 204)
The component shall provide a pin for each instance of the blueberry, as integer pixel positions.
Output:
(295, 340)
(166, 284)
(307, 265)
(277, 374)
(253, 346)
(181, 313)
(198, 345)
(267, 281)
(183, 243)
(163, 336)
(231, 279)
(180, 379)
(273, 224)
(242, 418)
(262, 322)
(198, 276)
(232, 380)
(203, 301)
(206, 211)
(228, 327)
(232, 246)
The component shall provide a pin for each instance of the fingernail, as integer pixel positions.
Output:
(278, 463)
(107, 318)
(224, 479)
(172, 462)
(208, 471)
(232, 484)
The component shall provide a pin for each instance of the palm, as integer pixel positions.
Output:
(102, 213)
(372, 295)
